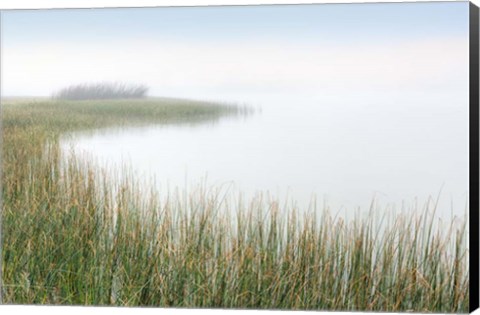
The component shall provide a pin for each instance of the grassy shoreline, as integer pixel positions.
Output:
(67, 239)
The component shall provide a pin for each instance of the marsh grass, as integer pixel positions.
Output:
(102, 90)
(69, 238)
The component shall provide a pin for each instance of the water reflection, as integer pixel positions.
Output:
(341, 154)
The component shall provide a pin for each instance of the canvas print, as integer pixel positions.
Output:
(296, 157)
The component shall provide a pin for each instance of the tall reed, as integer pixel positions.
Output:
(74, 236)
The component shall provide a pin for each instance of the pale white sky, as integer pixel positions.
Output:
(171, 67)
(224, 52)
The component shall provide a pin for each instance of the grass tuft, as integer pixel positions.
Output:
(105, 90)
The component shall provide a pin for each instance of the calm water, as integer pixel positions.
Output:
(345, 153)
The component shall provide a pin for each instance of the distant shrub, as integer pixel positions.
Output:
(101, 91)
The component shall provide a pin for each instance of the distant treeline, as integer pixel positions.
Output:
(101, 91)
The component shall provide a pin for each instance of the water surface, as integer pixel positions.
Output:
(344, 153)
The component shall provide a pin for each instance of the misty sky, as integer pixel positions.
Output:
(227, 52)
(375, 94)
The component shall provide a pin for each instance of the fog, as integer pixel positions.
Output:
(231, 71)
(357, 101)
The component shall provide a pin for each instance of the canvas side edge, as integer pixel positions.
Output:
(474, 222)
